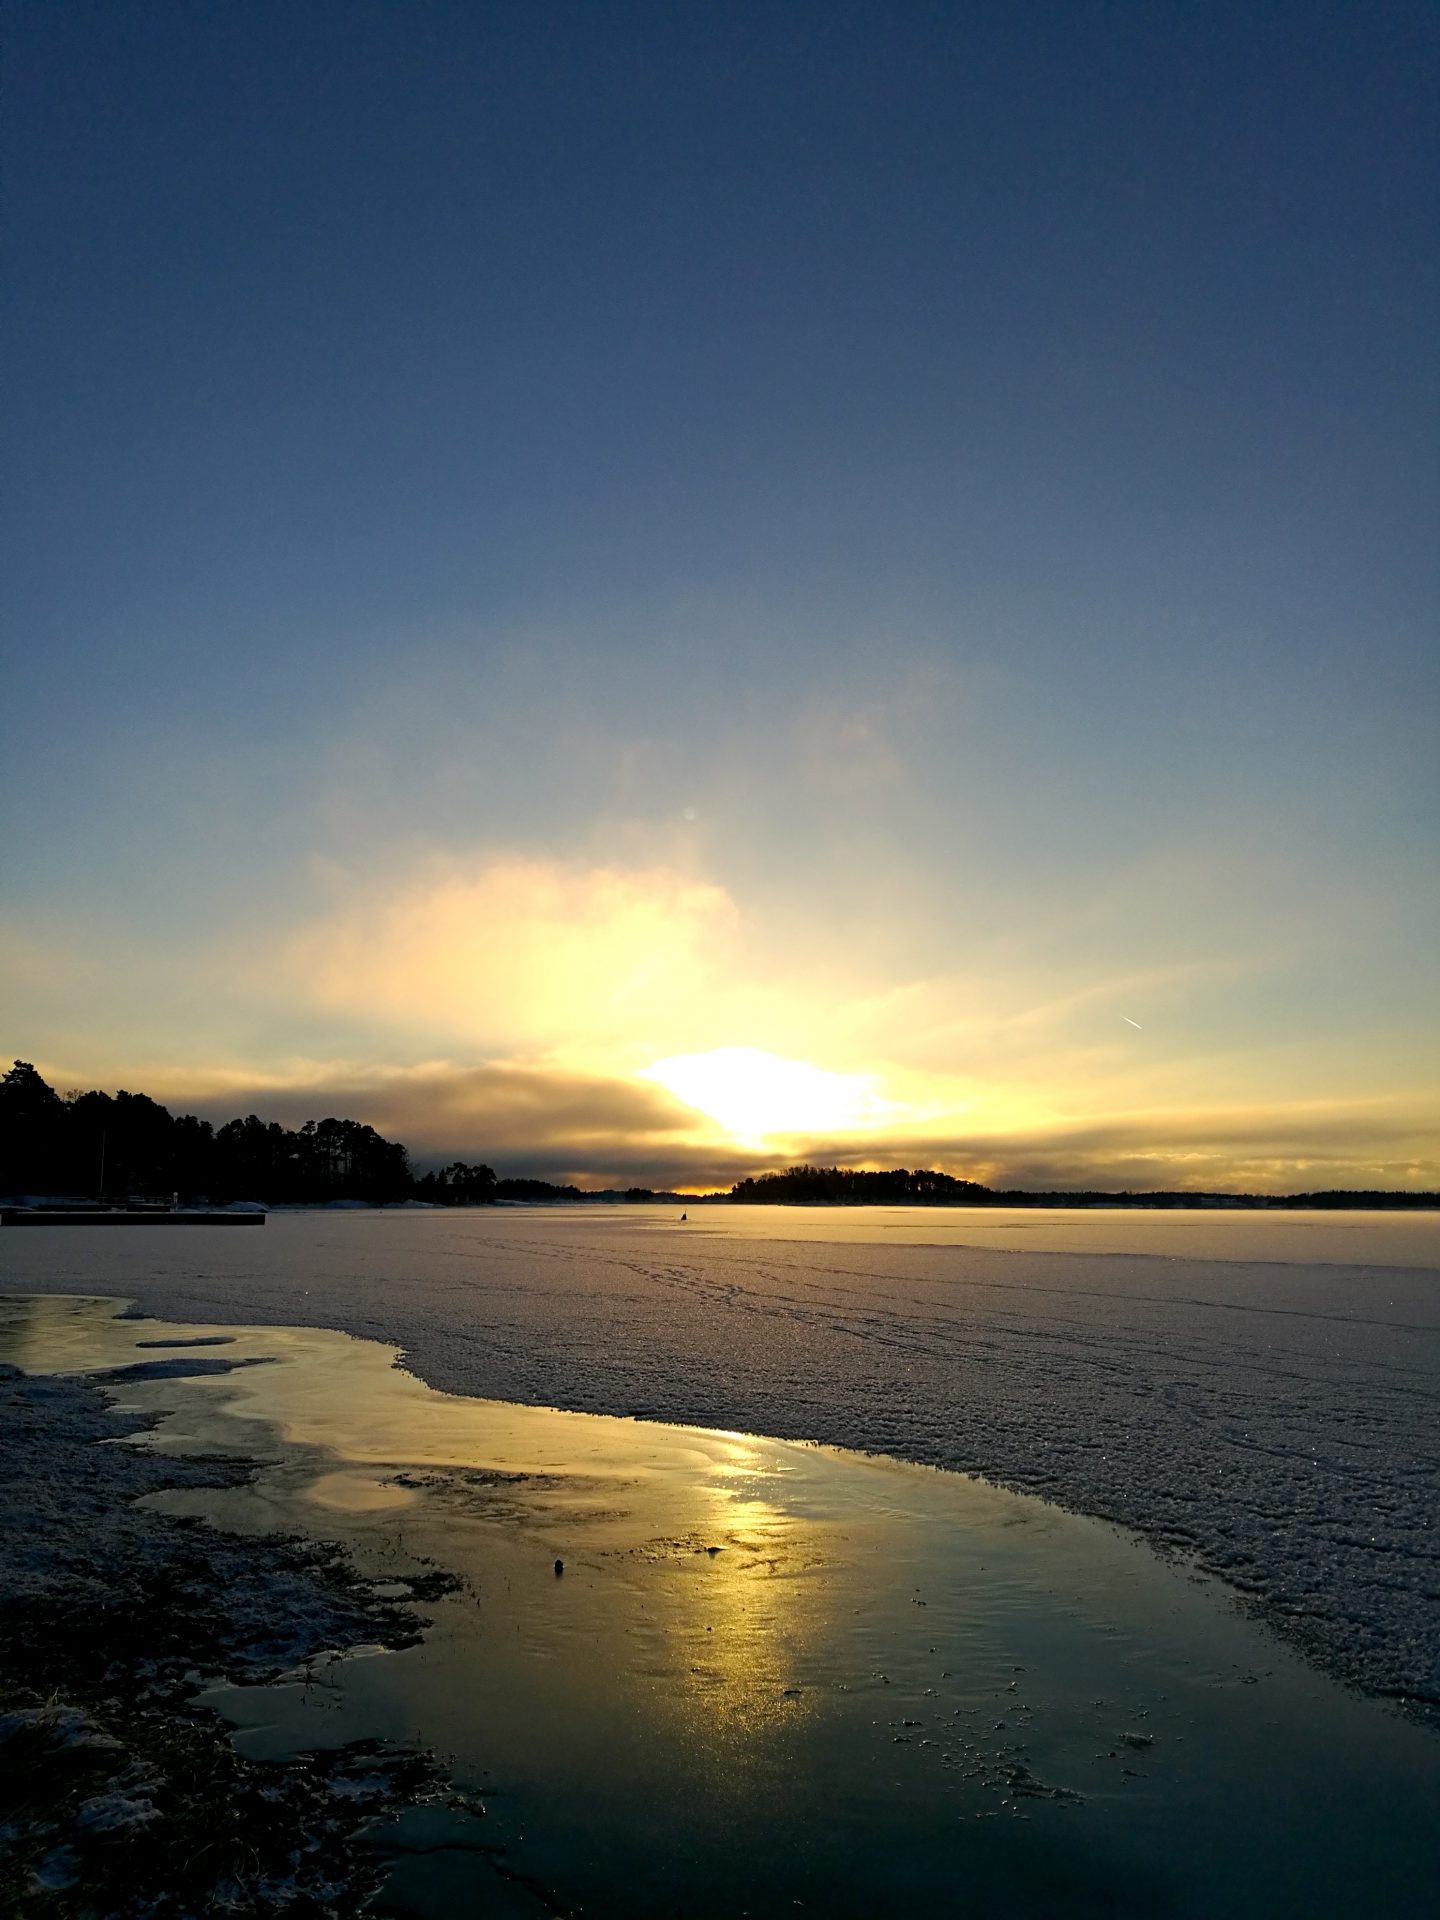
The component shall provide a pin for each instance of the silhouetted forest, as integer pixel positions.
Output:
(126, 1143)
(848, 1187)
(95, 1145)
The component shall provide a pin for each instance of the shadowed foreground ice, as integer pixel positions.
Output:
(1274, 1416)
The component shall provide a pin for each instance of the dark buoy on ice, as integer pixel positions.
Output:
(559, 1568)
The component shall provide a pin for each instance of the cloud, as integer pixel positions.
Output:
(524, 953)
(597, 1130)
(1263, 1149)
(536, 1120)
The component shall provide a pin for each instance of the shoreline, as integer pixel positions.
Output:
(118, 1789)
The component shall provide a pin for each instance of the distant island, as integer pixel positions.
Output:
(126, 1144)
(849, 1187)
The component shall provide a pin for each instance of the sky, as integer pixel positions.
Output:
(644, 592)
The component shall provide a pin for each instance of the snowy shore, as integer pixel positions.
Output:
(117, 1794)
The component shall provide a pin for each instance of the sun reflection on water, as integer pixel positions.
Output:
(723, 1603)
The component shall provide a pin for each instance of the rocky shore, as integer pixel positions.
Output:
(119, 1796)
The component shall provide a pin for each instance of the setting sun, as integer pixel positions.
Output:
(757, 1096)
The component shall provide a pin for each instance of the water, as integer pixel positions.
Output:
(1261, 1391)
(886, 1690)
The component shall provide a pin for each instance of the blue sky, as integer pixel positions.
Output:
(904, 533)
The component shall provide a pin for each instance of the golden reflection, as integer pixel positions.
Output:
(701, 1574)
(743, 1605)
(358, 1493)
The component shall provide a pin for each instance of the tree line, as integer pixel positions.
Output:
(858, 1187)
(113, 1146)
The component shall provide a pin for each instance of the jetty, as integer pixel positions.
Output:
(128, 1217)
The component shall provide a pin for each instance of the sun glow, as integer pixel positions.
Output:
(757, 1096)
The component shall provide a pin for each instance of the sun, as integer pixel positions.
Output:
(756, 1096)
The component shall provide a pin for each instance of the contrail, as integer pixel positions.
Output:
(1132, 1023)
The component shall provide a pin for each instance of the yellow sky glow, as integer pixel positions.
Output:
(758, 1097)
(655, 1021)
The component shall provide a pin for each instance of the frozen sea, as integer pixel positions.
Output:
(1257, 1391)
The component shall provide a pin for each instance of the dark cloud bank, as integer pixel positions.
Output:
(599, 1132)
